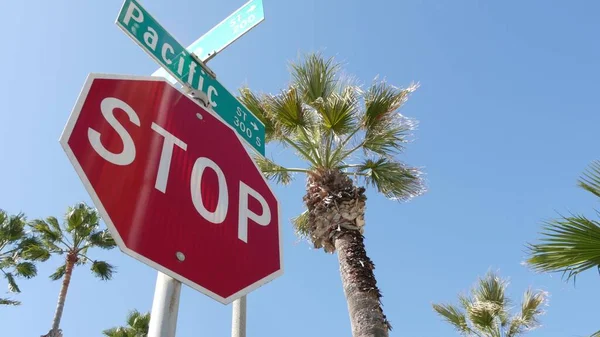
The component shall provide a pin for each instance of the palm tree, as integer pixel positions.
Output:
(345, 136)
(80, 232)
(14, 244)
(570, 244)
(137, 326)
(486, 312)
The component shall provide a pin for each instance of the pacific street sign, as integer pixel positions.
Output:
(136, 22)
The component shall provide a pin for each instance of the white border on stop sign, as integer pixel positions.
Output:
(68, 129)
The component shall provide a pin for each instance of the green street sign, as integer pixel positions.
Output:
(136, 22)
(225, 33)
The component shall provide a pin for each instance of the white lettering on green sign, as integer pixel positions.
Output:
(156, 41)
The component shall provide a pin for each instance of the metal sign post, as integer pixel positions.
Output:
(165, 307)
(238, 318)
(207, 47)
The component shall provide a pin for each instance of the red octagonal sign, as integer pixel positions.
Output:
(175, 185)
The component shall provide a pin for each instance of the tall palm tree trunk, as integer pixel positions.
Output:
(362, 294)
(336, 220)
(70, 263)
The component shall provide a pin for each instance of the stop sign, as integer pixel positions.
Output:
(175, 185)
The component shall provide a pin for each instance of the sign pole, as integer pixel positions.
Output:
(165, 307)
(238, 320)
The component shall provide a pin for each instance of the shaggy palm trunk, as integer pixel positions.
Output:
(360, 287)
(70, 263)
(336, 220)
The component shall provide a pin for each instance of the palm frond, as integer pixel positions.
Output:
(489, 303)
(33, 249)
(81, 234)
(388, 138)
(308, 143)
(288, 111)
(132, 316)
(301, 225)
(393, 179)
(531, 307)
(338, 112)
(137, 326)
(74, 217)
(381, 102)
(138, 321)
(591, 179)
(6, 301)
(465, 301)
(528, 318)
(25, 269)
(491, 288)
(117, 332)
(3, 216)
(596, 334)
(8, 260)
(11, 227)
(112, 332)
(81, 219)
(103, 270)
(29, 241)
(12, 284)
(569, 245)
(481, 314)
(53, 222)
(102, 239)
(256, 105)
(59, 273)
(315, 76)
(46, 233)
(454, 316)
(272, 171)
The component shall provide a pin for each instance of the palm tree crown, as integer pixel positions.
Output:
(334, 125)
(137, 326)
(15, 243)
(570, 244)
(80, 232)
(485, 313)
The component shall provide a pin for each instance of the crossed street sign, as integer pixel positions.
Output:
(190, 71)
(223, 34)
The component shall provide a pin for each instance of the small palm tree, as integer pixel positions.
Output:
(14, 243)
(137, 326)
(570, 244)
(80, 232)
(340, 132)
(486, 312)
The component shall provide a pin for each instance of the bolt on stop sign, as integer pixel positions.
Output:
(175, 185)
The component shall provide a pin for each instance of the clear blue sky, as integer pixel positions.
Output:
(508, 114)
